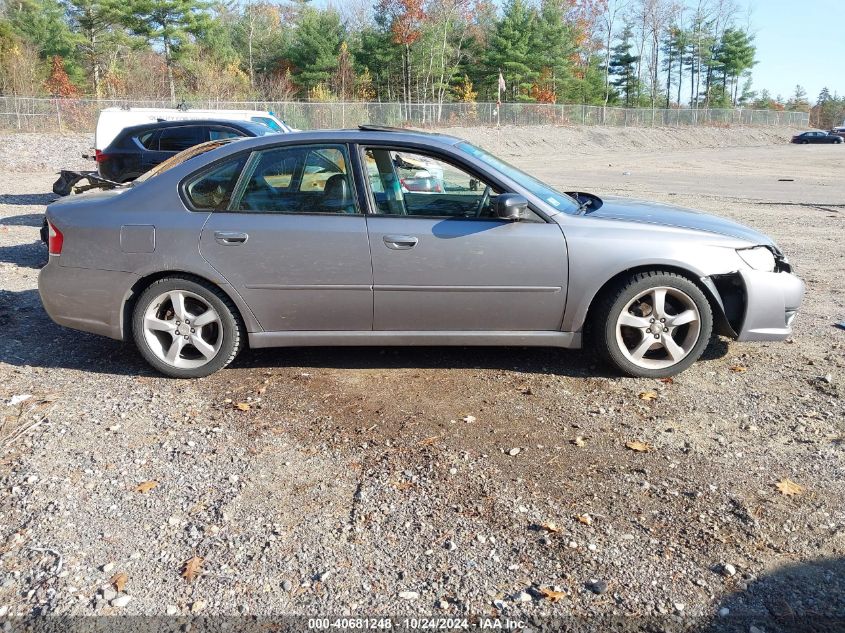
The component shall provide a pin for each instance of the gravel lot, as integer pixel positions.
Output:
(442, 481)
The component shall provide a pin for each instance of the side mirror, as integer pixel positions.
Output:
(511, 206)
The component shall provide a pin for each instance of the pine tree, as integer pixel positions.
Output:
(314, 51)
(623, 65)
(798, 101)
(510, 51)
(170, 23)
(552, 47)
(733, 56)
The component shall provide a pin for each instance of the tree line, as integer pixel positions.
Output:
(635, 53)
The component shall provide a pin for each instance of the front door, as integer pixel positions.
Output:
(442, 261)
(292, 240)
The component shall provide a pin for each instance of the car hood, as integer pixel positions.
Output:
(667, 215)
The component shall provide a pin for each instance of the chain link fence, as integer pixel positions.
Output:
(38, 114)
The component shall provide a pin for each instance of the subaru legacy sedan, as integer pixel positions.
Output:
(380, 236)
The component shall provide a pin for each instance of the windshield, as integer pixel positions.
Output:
(183, 156)
(559, 201)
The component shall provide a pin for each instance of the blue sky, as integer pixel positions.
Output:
(798, 43)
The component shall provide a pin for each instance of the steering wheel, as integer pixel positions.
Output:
(483, 201)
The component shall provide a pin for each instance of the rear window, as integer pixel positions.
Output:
(212, 190)
(149, 139)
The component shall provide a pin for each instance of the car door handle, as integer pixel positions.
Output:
(230, 237)
(400, 242)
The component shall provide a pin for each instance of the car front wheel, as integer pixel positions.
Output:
(186, 328)
(654, 324)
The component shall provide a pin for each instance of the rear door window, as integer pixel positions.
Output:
(298, 179)
(175, 139)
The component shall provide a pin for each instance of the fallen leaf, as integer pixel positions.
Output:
(429, 440)
(579, 442)
(788, 487)
(551, 595)
(192, 568)
(119, 581)
(738, 369)
(146, 486)
(640, 447)
(667, 381)
(586, 519)
(648, 395)
(550, 526)
(242, 406)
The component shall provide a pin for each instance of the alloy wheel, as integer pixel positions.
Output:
(182, 329)
(658, 328)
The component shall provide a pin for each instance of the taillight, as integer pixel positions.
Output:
(55, 239)
(99, 156)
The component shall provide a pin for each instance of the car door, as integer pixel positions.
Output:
(292, 239)
(443, 262)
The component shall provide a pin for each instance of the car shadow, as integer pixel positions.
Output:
(574, 363)
(31, 338)
(28, 199)
(807, 597)
(30, 219)
(33, 255)
(531, 360)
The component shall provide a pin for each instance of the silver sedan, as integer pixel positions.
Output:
(389, 237)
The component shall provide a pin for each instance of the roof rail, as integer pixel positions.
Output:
(366, 127)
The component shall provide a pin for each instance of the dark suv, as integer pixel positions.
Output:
(140, 148)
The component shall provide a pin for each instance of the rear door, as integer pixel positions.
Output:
(443, 262)
(292, 239)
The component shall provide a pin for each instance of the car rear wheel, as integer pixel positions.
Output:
(654, 324)
(185, 328)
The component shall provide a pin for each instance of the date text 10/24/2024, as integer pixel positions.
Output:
(415, 624)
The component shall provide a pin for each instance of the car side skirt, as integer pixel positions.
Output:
(571, 340)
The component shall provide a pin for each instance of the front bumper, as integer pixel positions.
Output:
(771, 303)
(85, 299)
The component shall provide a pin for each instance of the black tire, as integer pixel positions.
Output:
(612, 303)
(233, 335)
(804, 142)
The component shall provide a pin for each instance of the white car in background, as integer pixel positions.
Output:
(112, 120)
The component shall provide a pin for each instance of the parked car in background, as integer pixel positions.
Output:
(140, 148)
(111, 121)
(817, 137)
(286, 240)
(839, 131)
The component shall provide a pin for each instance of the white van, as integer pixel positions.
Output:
(112, 120)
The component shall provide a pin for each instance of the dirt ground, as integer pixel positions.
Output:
(378, 481)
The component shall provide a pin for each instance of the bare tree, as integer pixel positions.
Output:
(608, 21)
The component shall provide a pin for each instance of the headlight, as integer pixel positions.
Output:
(759, 258)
